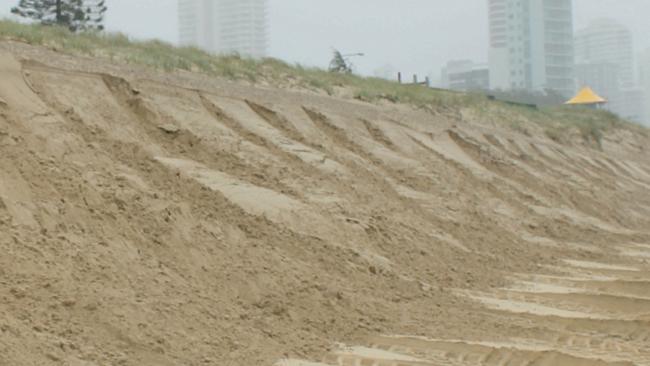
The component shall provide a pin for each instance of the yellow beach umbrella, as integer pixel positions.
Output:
(586, 96)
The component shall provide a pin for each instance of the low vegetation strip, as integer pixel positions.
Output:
(561, 124)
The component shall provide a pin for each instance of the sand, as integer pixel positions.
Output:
(151, 218)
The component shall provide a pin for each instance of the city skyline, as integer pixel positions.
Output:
(418, 38)
(526, 40)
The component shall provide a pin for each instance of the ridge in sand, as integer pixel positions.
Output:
(151, 218)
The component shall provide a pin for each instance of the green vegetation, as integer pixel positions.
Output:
(559, 123)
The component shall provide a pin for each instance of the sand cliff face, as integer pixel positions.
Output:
(151, 219)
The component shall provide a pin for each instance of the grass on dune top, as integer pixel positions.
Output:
(161, 55)
(556, 121)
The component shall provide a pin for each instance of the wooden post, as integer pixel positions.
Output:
(399, 77)
(59, 12)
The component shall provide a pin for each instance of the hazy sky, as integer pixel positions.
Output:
(414, 36)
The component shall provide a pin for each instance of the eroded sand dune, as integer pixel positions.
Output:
(166, 219)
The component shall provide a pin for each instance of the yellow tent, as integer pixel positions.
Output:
(586, 96)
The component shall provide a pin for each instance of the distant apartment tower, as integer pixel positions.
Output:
(225, 26)
(644, 80)
(604, 53)
(607, 41)
(531, 45)
(465, 75)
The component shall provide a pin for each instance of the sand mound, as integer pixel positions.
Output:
(152, 219)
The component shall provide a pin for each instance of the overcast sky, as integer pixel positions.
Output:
(414, 36)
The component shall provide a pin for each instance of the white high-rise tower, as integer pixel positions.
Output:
(225, 26)
(531, 45)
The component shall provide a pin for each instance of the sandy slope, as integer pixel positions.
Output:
(151, 219)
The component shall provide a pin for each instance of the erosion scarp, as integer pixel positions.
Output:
(152, 218)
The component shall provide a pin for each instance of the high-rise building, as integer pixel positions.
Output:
(604, 53)
(644, 81)
(225, 26)
(607, 41)
(531, 45)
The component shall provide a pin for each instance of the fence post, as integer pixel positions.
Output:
(399, 77)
